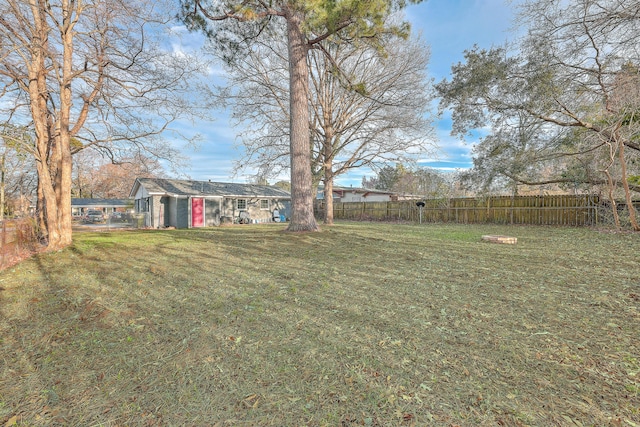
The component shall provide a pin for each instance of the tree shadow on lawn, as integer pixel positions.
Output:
(180, 332)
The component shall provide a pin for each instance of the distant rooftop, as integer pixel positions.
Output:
(105, 203)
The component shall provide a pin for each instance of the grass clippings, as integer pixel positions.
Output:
(358, 325)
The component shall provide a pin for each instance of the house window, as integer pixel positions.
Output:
(241, 204)
(264, 204)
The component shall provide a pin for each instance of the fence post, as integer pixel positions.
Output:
(3, 244)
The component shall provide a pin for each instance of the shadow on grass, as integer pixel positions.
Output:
(357, 325)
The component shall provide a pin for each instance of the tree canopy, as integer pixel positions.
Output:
(562, 104)
(374, 109)
(413, 181)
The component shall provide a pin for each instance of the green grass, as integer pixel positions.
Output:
(360, 324)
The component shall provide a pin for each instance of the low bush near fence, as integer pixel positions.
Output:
(16, 237)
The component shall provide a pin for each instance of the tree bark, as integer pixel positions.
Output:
(328, 200)
(302, 217)
(42, 224)
(611, 186)
(65, 162)
(328, 179)
(53, 155)
(2, 185)
(39, 96)
(627, 192)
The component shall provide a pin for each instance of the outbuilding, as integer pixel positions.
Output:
(187, 204)
(353, 194)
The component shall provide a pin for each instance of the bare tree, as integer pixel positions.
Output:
(85, 165)
(380, 114)
(16, 181)
(114, 180)
(97, 177)
(412, 180)
(308, 25)
(87, 73)
(368, 106)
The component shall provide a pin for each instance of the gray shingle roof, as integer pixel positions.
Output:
(207, 188)
(81, 202)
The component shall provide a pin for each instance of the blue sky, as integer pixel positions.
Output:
(448, 26)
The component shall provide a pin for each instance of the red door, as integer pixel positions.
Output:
(197, 212)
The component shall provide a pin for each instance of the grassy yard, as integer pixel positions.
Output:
(359, 325)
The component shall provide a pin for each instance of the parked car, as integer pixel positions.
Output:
(94, 216)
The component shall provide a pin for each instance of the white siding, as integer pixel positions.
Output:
(353, 196)
(378, 198)
(141, 193)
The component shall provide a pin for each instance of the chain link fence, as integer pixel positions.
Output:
(113, 221)
(17, 237)
(129, 220)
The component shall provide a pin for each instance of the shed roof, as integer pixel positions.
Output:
(78, 202)
(177, 187)
(357, 190)
(362, 190)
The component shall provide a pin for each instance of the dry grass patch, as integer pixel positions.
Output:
(361, 324)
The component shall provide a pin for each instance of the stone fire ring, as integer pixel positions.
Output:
(500, 239)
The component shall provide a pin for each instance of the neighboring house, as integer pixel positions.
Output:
(352, 194)
(186, 204)
(80, 206)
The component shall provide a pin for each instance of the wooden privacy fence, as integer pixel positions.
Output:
(535, 210)
(16, 236)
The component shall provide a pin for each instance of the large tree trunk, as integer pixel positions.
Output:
(52, 164)
(328, 178)
(48, 206)
(2, 185)
(39, 96)
(327, 165)
(42, 223)
(302, 218)
(65, 165)
(328, 200)
(627, 191)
